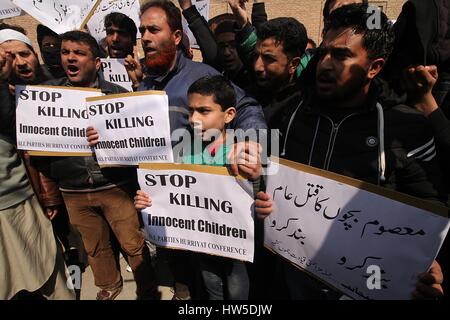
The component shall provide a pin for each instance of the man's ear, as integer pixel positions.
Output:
(97, 64)
(293, 65)
(230, 113)
(178, 35)
(375, 68)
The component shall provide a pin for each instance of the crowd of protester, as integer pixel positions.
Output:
(389, 82)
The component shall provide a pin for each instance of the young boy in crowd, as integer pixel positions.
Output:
(212, 102)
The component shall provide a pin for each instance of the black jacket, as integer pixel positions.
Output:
(385, 143)
(277, 106)
(83, 173)
(422, 36)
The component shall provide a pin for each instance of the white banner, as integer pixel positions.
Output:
(133, 127)
(59, 15)
(203, 9)
(96, 23)
(366, 241)
(114, 71)
(8, 10)
(53, 119)
(198, 208)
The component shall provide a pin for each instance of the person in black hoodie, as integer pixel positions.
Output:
(350, 123)
(422, 37)
(50, 45)
(421, 55)
(419, 83)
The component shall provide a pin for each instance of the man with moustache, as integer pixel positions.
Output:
(31, 262)
(26, 70)
(120, 35)
(349, 122)
(169, 70)
(25, 64)
(99, 199)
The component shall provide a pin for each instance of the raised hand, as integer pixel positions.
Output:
(5, 65)
(418, 82)
(184, 4)
(240, 11)
(134, 68)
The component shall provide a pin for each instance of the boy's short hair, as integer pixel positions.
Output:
(83, 37)
(218, 87)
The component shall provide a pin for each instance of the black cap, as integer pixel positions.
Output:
(43, 31)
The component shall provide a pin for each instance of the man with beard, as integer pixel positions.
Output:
(169, 70)
(273, 53)
(349, 123)
(280, 46)
(26, 68)
(31, 260)
(120, 35)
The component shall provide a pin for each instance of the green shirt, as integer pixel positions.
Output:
(216, 158)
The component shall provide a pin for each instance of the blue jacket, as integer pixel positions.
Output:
(176, 83)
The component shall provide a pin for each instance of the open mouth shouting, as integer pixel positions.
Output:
(116, 50)
(72, 70)
(325, 81)
(25, 73)
(149, 51)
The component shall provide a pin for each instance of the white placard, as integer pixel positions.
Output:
(9, 10)
(133, 128)
(53, 119)
(203, 9)
(362, 243)
(198, 208)
(114, 71)
(96, 23)
(59, 15)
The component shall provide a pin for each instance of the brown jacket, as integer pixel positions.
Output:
(46, 189)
